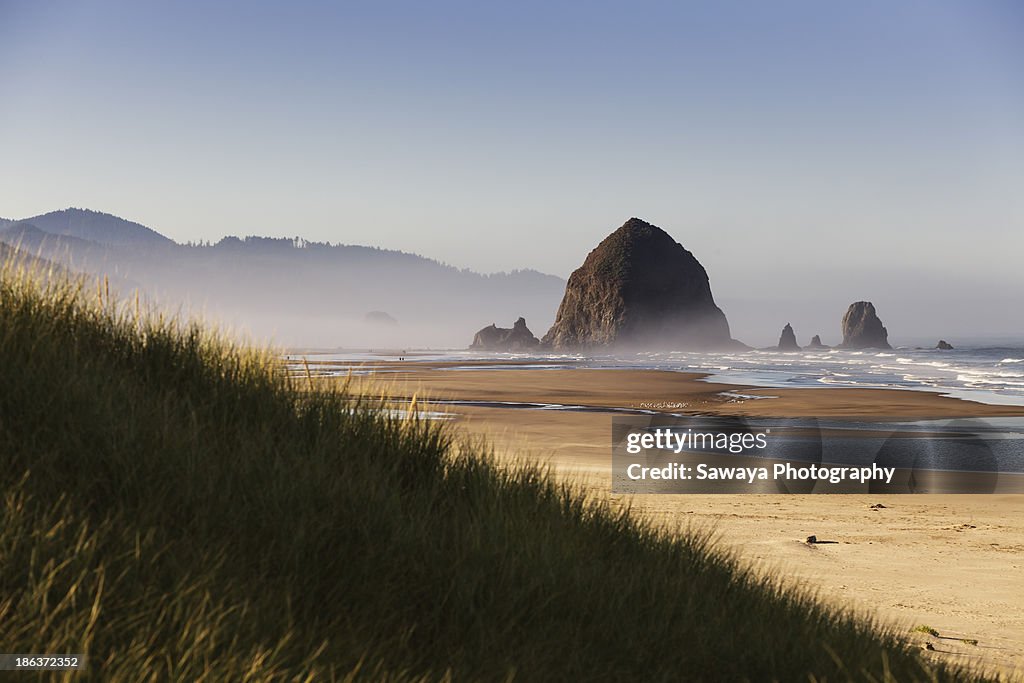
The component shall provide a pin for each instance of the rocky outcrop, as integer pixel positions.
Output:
(944, 345)
(639, 289)
(787, 342)
(862, 328)
(516, 338)
(816, 343)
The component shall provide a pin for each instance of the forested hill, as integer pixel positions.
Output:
(291, 290)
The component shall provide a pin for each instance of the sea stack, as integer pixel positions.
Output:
(516, 338)
(787, 342)
(639, 289)
(944, 345)
(380, 319)
(816, 343)
(862, 329)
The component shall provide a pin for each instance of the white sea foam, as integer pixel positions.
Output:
(984, 374)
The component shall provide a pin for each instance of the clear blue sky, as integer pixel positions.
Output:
(766, 136)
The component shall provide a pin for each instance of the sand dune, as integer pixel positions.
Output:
(950, 562)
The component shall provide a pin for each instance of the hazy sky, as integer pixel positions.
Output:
(792, 138)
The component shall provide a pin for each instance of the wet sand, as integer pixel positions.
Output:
(952, 562)
(669, 392)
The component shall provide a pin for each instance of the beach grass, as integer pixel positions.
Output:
(177, 507)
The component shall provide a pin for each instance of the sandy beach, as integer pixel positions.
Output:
(954, 563)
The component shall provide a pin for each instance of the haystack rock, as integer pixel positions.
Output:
(787, 342)
(862, 329)
(944, 345)
(494, 338)
(639, 289)
(816, 343)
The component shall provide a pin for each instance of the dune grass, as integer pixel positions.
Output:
(179, 509)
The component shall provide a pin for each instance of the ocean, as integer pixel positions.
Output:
(987, 374)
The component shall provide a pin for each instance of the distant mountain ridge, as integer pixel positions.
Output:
(30, 238)
(295, 291)
(269, 244)
(106, 229)
(95, 226)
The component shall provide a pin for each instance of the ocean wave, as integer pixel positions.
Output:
(990, 373)
(983, 374)
(976, 379)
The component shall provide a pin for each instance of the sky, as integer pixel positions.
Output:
(787, 144)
